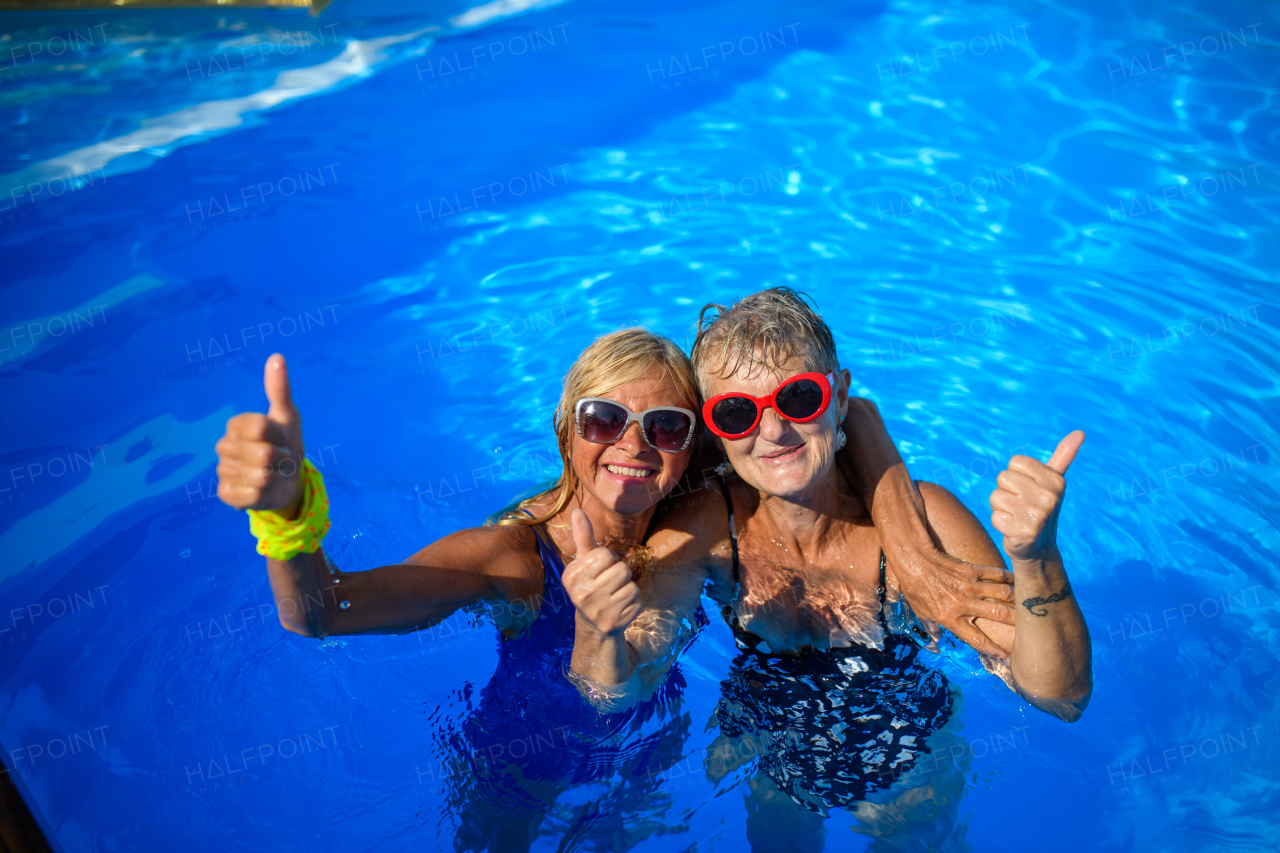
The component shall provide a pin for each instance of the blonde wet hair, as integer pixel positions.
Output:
(612, 360)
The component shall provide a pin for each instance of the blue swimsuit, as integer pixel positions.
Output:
(531, 734)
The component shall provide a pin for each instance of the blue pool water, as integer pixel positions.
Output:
(1019, 219)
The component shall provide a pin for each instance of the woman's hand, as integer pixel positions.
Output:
(941, 589)
(260, 456)
(599, 583)
(1052, 662)
(946, 592)
(1025, 507)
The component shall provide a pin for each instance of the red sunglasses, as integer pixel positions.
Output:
(799, 399)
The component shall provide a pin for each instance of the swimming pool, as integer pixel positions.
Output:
(1019, 219)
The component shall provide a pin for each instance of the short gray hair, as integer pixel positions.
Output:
(768, 327)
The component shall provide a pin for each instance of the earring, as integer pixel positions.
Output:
(840, 439)
(724, 469)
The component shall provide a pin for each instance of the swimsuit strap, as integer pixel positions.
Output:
(552, 564)
(881, 591)
(733, 541)
(733, 530)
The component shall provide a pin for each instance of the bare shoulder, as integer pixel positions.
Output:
(692, 528)
(500, 551)
(957, 529)
(699, 512)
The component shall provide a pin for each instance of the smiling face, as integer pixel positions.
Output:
(629, 476)
(779, 457)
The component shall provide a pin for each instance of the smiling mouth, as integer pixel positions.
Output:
(785, 452)
(629, 472)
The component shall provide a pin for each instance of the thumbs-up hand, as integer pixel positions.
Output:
(599, 583)
(1025, 506)
(260, 456)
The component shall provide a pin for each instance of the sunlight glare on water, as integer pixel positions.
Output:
(1019, 219)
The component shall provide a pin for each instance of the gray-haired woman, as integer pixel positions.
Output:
(793, 557)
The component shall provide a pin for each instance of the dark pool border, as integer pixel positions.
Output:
(19, 830)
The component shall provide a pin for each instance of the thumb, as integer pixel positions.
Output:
(275, 379)
(584, 535)
(1066, 452)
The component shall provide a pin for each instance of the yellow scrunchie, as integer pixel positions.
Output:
(283, 539)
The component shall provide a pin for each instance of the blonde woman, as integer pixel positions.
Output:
(625, 428)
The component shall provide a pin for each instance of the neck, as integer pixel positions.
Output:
(618, 528)
(808, 517)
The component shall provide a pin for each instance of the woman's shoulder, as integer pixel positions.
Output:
(692, 527)
(694, 500)
(961, 533)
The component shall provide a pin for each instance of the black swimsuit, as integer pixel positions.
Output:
(832, 725)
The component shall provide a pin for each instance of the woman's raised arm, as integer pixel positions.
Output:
(1051, 661)
(260, 467)
(629, 632)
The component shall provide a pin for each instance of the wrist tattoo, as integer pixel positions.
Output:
(1032, 603)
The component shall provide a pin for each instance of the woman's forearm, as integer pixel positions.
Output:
(873, 466)
(1052, 659)
(606, 659)
(315, 602)
(304, 601)
(604, 669)
(941, 589)
(315, 598)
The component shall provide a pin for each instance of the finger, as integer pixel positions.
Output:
(1010, 503)
(584, 535)
(979, 641)
(1066, 452)
(992, 591)
(1040, 473)
(1002, 520)
(234, 496)
(251, 427)
(626, 595)
(580, 575)
(260, 454)
(275, 379)
(994, 575)
(595, 571)
(992, 610)
(1000, 635)
(611, 580)
(1017, 482)
(243, 497)
(583, 573)
(629, 613)
(242, 452)
(976, 571)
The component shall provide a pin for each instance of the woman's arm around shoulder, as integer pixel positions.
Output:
(943, 590)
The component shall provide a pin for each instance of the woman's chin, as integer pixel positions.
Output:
(779, 484)
(632, 497)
